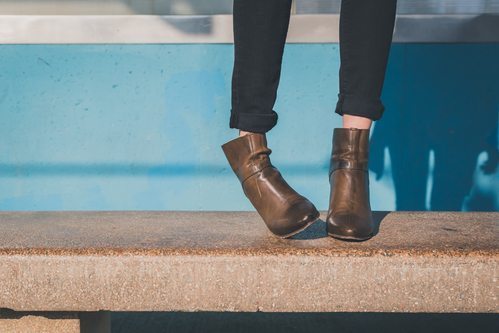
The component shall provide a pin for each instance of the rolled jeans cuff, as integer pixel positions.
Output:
(359, 106)
(253, 122)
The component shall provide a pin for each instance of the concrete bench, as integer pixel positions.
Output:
(76, 267)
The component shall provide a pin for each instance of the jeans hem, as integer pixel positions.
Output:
(253, 122)
(359, 106)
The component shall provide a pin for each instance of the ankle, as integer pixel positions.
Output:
(243, 133)
(350, 121)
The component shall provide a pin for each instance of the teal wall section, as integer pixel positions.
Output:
(134, 127)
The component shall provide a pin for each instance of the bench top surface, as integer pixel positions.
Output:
(239, 233)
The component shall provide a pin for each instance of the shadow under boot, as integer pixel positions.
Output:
(284, 211)
(349, 216)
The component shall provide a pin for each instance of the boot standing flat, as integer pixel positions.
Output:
(349, 216)
(284, 211)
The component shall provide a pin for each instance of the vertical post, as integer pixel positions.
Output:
(95, 322)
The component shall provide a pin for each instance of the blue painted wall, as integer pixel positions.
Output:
(133, 127)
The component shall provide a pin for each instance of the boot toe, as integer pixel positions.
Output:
(350, 227)
(296, 218)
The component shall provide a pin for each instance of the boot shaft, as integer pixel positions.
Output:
(350, 149)
(247, 154)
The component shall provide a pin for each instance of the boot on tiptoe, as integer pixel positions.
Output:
(349, 216)
(284, 211)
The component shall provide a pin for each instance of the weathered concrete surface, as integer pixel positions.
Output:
(225, 261)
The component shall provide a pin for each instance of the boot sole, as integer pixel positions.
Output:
(315, 218)
(350, 238)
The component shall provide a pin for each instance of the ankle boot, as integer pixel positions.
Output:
(349, 216)
(284, 211)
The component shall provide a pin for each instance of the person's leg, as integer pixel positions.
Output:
(260, 30)
(366, 29)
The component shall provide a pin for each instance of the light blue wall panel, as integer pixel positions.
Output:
(125, 127)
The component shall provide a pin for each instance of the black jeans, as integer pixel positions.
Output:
(260, 30)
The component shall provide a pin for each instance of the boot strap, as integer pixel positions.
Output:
(349, 164)
(249, 170)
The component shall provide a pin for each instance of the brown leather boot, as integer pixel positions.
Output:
(284, 211)
(349, 216)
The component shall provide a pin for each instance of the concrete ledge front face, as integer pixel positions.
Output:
(245, 283)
